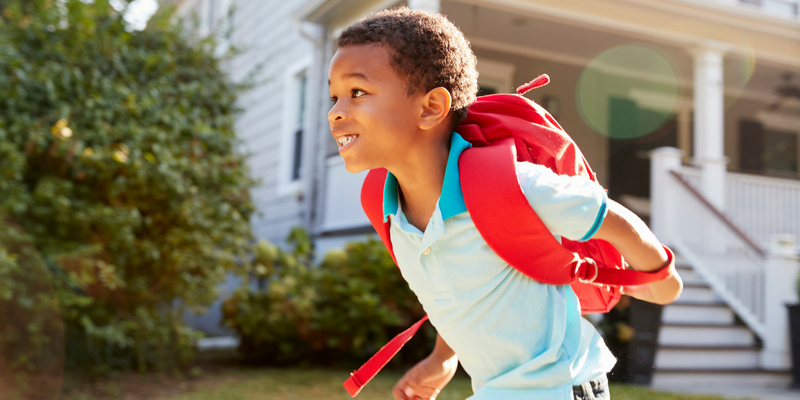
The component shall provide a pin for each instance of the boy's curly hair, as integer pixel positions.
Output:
(429, 51)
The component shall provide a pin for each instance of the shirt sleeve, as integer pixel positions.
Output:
(572, 207)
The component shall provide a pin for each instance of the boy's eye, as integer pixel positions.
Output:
(355, 93)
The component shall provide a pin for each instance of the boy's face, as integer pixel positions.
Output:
(373, 119)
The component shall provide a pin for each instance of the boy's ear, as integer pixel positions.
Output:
(435, 108)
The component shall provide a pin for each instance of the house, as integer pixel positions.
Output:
(688, 111)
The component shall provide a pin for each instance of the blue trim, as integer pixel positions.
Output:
(390, 198)
(451, 200)
(601, 215)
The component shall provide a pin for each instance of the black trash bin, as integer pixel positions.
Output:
(794, 332)
(645, 319)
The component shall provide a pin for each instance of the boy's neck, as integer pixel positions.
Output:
(420, 178)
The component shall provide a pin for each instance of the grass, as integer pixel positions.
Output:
(222, 377)
(285, 384)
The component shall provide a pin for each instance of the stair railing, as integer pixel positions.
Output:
(730, 261)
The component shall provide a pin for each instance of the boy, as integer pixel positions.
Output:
(401, 82)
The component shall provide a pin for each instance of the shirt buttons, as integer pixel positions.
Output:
(426, 251)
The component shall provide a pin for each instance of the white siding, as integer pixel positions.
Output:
(267, 33)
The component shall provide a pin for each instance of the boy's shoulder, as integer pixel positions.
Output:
(531, 175)
(569, 206)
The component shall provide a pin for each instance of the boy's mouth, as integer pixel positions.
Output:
(345, 141)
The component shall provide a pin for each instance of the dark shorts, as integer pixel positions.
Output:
(595, 389)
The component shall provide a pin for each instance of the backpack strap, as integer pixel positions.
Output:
(372, 202)
(511, 228)
(505, 219)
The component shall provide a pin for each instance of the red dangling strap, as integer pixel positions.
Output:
(360, 377)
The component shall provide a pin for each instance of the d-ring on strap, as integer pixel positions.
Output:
(589, 261)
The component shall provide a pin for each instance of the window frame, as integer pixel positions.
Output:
(292, 83)
(496, 74)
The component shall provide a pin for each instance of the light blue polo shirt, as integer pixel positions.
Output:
(517, 338)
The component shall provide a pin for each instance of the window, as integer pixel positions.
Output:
(494, 76)
(768, 151)
(295, 126)
(780, 152)
(298, 131)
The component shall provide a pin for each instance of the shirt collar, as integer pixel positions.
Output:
(451, 200)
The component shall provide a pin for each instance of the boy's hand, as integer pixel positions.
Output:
(659, 292)
(641, 292)
(425, 380)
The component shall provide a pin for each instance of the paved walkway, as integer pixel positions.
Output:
(763, 393)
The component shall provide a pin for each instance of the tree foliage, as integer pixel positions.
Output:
(31, 329)
(118, 159)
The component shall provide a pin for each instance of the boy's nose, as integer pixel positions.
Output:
(336, 114)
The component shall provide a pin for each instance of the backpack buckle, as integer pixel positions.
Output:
(588, 261)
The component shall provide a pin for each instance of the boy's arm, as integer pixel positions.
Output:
(572, 206)
(426, 379)
(642, 250)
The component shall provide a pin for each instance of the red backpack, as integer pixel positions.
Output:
(503, 129)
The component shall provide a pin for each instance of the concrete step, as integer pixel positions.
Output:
(705, 335)
(695, 293)
(701, 350)
(675, 379)
(690, 276)
(707, 357)
(683, 312)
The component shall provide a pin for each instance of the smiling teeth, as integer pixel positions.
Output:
(345, 140)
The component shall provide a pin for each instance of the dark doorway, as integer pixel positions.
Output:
(629, 163)
(765, 151)
(486, 90)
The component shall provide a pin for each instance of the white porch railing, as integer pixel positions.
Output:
(762, 206)
(722, 254)
(755, 279)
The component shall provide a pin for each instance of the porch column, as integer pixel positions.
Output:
(662, 188)
(709, 114)
(432, 6)
(781, 272)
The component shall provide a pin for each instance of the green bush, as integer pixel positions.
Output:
(341, 311)
(119, 162)
(31, 328)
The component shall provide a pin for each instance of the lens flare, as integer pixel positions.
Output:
(628, 91)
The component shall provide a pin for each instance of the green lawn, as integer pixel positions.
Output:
(285, 384)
